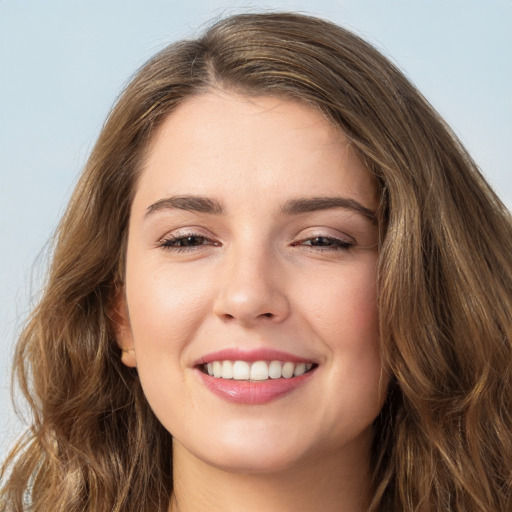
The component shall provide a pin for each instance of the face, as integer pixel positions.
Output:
(250, 295)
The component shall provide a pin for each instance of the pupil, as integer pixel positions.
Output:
(322, 241)
(190, 240)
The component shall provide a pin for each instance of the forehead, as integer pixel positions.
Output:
(222, 143)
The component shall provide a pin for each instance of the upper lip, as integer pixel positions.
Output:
(260, 354)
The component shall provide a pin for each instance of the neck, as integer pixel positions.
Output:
(332, 482)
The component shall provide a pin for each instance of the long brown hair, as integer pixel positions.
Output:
(444, 438)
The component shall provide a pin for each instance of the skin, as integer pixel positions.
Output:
(255, 276)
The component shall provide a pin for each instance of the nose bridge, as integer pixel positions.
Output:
(250, 288)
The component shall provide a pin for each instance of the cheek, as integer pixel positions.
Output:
(171, 298)
(166, 310)
(343, 314)
(343, 307)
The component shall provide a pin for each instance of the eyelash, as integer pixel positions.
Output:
(325, 243)
(172, 243)
(334, 244)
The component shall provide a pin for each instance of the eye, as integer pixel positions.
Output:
(326, 243)
(187, 242)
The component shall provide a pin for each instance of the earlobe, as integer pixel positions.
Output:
(128, 357)
(122, 329)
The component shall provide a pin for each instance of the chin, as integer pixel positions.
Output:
(258, 451)
(254, 461)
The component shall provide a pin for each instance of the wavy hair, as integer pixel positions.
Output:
(443, 440)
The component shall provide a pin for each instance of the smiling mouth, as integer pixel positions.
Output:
(256, 371)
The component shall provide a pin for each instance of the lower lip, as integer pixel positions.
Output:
(254, 392)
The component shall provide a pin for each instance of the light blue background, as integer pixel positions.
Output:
(63, 63)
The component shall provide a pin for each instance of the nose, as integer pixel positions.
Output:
(251, 291)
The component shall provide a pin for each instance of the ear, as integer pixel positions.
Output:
(122, 329)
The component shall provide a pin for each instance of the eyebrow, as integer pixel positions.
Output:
(312, 204)
(208, 205)
(190, 203)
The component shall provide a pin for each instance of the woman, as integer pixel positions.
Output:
(281, 283)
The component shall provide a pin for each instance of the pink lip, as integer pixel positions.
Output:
(252, 393)
(261, 354)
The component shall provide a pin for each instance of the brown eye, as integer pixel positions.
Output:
(189, 241)
(186, 242)
(327, 243)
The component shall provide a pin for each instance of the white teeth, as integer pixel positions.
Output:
(257, 371)
(217, 369)
(287, 370)
(227, 370)
(300, 369)
(241, 370)
(274, 370)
